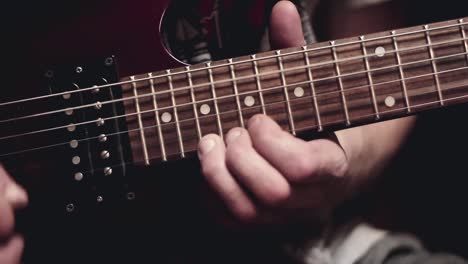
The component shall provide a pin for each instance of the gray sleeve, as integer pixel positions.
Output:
(404, 249)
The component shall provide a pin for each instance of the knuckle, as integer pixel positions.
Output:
(301, 167)
(262, 138)
(341, 168)
(277, 196)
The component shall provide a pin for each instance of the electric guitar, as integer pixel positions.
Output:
(108, 141)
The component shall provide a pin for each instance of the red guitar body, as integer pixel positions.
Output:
(167, 220)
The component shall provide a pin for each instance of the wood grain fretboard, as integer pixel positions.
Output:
(324, 86)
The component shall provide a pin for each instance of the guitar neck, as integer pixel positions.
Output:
(324, 86)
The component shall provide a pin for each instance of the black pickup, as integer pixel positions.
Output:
(98, 151)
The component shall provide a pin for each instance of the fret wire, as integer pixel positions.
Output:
(148, 127)
(140, 122)
(236, 92)
(463, 33)
(259, 84)
(327, 47)
(340, 83)
(335, 92)
(215, 99)
(434, 65)
(369, 78)
(162, 145)
(303, 67)
(286, 94)
(312, 87)
(402, 74)
(176, 116)
(194, 103)
(366, 86)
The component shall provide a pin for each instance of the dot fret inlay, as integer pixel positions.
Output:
(166, 117)
(380, 51)
(205, 109)
(249, 101)
(299, 92)
(390, 101)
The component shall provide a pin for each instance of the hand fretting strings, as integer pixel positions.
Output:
(233, 79)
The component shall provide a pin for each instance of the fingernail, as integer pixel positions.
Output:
(205, 146)
(15, 195)
(232, 136)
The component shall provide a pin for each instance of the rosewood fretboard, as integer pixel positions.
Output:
(323, 86)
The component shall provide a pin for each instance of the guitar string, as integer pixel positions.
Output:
(343, 121)
(229, 80)
(304, 129)
(235, 111)
(459, 25)
(232, 96)
(242, 94)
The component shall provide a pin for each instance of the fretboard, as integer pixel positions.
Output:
(319, 87)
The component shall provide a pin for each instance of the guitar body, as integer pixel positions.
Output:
(93, 30)
(156, 214)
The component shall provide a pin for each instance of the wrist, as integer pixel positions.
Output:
(369, 149)
(351, 142)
